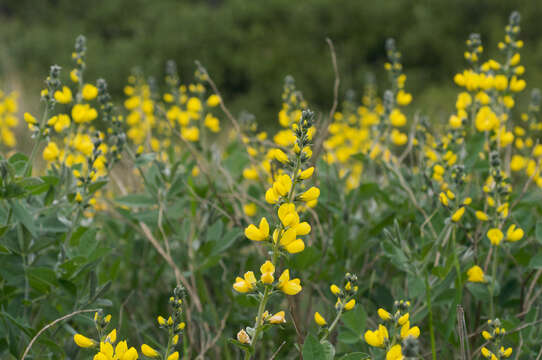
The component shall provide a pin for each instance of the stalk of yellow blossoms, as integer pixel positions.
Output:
(396, 335)
(285, 236)
(494, 349)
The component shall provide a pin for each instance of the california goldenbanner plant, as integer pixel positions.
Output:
(366, 231)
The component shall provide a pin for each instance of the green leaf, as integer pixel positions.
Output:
(355, 319)
(536, 262)
(21, 214)
(314, 350)
(135, 200)
(538, 232)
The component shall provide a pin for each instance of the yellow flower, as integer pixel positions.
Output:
(403, 319)
(173, 356)
(63, 96)
(278, 155)
(149, 351)
(407, 331)
(193, 105)
(190, 133)
(482, 216)
(475, 274)
(258, 233)
(458, 214)
(89, 92)
(74, 76)
(486, 335)
(403, 98)
(398, 138)
(507, 352)
(278, 318)
(212, 123)
(267, 270)
(245, 284)
(514, 234)
(250, 209)
(243, 337)
(319, 319)
(495, 236)
(29, 119)
(395, 353)
(311, 194)
(83, 341)
(397, 118)
(378, 337)
(161, 321)
(51, 152)
(307, 173)
(83, 113)
(350, 305)
(289, 287)
(282, 185)
(384, 315)
(213, 100)
(335, 289)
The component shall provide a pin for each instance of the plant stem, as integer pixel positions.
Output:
(37, 143)
(459, 293)
(431, 329)
(334, 323)
(493, 280)
(258, 324)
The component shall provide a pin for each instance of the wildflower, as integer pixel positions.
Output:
(258, 233)
(486, 335)
(482, 216)
(250, 209)
(311, 194)
(407, 331)
(149, 351)
(83, 341)
(83, 113)
(213, 100)
(63, 96)
(245, 284)
(319, 319)
(335, 289)
(278, 318)
(403, 98)
(89, 92)
(350, 304)
(51, 152)
(513, 233)
(267, 270)
(289, 287)
(495, 236)
(458, 214)
(384, 315)
(403, 319)
(475, 274)
(306, 174)
(397, 118)
(173, 356)
(243, 337)
(378, 337)
(395, 353)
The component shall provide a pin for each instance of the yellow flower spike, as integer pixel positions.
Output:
(289, 287)
(258, 233)
(495, 236)
(403, 319)
(89, 92)
(383, 314)
(149, 351)
(350, 305)
(306, 174)
(161, 320)
(482, 216)
(83, 341)
(514, 233)
(311, 194)
(458, 214)
(335, 289)
(278, 318)
(395, 353)
(173, 356)
(319, 319)
(475, 274)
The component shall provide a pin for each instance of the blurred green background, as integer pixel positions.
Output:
(250, 46)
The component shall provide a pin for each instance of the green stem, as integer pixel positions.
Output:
(459, 294)
(334, 323)
(36, 146)
(492, 285)
(258, 323)
(431, 329)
